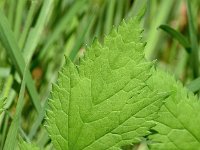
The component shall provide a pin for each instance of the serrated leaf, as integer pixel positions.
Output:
(105, 102)
(2, 104)
(179, 118)
(27, 146)
(194, 85)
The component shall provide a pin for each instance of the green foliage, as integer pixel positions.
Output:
(11, 141)
(105, 103)
(178, 36)
(27, 146)
(2, 104)
(39, 33)
(8, 40)
(179, 118)
(113, 98)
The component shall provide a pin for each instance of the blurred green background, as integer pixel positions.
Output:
(38, 33)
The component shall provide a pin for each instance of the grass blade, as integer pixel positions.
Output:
(18, 17)
(109, 16)
(35, 33)
(62, 24)
(177, 35)
(80, 39)
(153, 38)
(15, 125)
(11, 11)
(136, 7)
(28, 22)
(193, 40)
(4, 131)
(119, 12)
(10, 44)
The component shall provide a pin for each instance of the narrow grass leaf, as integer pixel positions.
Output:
(11, 10)
(136, 7)
(9, 42)
(109, 15)
(193, 41)
(80, 40)
(11, 141)
(37, 123)
(119, 12)
(61, 26)
(19, 16)
(178, 36)
(164, 10)
(4, 129)
(29, 20)
(35, 33)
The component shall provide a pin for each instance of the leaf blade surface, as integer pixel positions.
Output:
(105, 103)
(179, 118)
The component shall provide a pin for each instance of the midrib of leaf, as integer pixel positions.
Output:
(101, 101)
(68, 115)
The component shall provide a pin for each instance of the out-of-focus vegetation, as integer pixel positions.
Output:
(36, 34)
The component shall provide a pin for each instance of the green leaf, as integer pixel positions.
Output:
(27, 146)
(2, 104)
(179, 118)
(104, 103)
(194, 85)
(178, 36)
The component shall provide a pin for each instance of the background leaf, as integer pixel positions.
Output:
(178, 124)
(177, 35)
